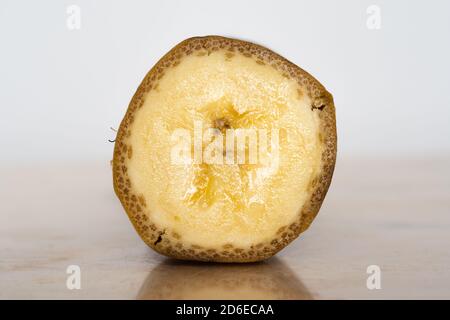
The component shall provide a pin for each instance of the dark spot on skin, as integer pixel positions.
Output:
(320, 108)
(159, 238)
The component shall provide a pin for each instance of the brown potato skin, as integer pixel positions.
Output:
(169, 243)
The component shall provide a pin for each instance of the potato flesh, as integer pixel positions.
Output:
(218, 204)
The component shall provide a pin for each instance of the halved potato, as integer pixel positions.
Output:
(226, 152)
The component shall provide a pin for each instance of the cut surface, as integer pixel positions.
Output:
(238, 203)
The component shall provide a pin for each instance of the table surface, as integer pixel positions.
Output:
(394, 213)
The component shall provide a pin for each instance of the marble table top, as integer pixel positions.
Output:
(393, 214)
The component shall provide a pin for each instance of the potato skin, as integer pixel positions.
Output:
(168, 243)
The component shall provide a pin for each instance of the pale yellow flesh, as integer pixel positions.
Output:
(214, 205)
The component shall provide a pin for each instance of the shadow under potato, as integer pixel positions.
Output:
(270, 279)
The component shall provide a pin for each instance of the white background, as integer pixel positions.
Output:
(61, 90)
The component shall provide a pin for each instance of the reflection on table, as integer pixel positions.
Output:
(271, 279)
